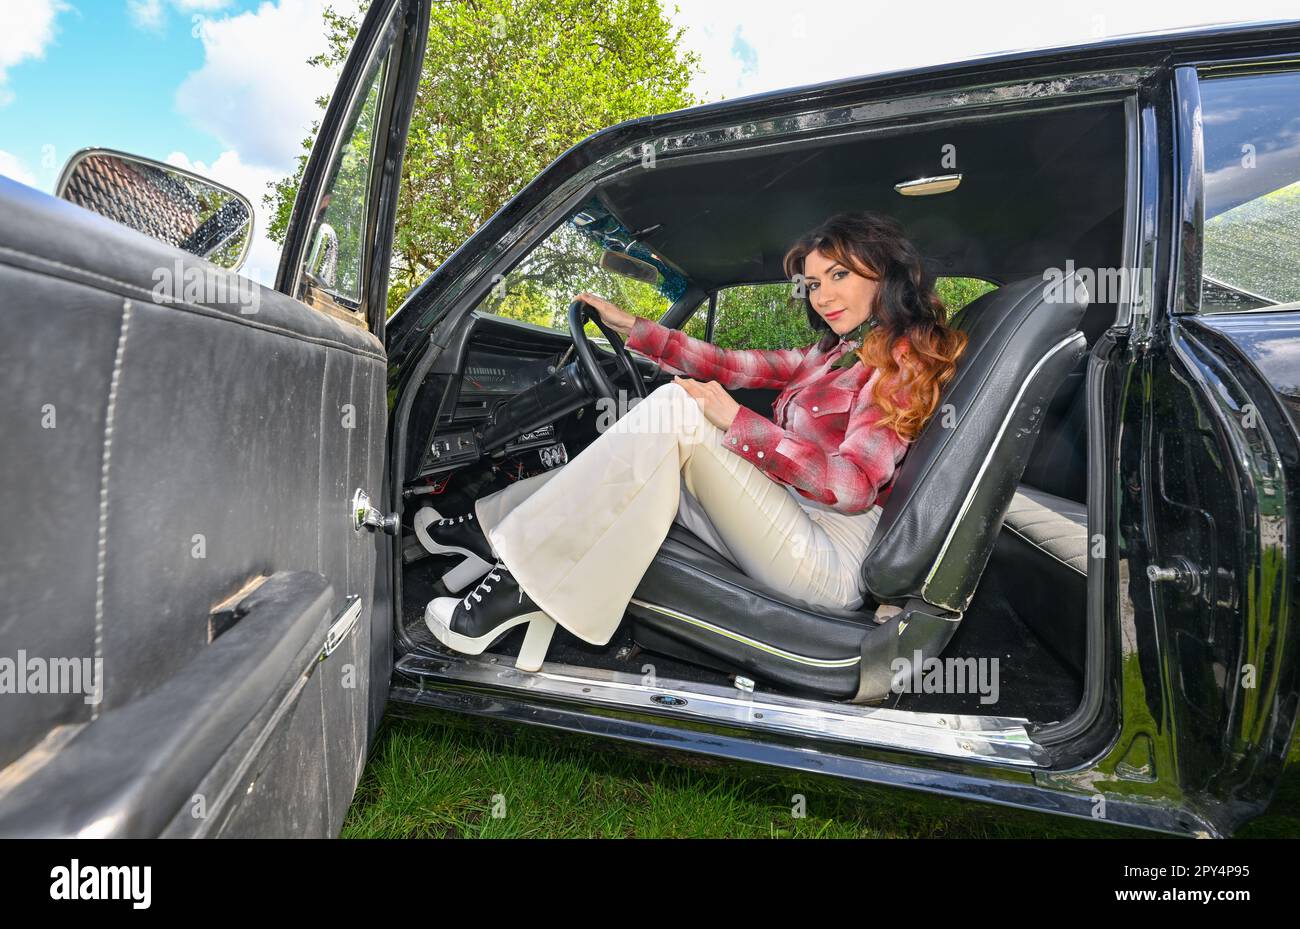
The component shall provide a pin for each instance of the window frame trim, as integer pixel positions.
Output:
(1192, 169)
(380, 35)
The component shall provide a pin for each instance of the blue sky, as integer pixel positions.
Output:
(223, 87)
(220, 86)
(105, 81)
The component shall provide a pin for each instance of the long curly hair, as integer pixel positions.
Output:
(911, 319)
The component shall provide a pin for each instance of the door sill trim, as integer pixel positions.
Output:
(996, 739)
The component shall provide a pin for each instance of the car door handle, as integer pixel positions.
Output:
(365, 516)
(342, 627)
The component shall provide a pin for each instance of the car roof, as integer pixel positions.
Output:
(1037, 189)
(1151, 46)
(1143, 50)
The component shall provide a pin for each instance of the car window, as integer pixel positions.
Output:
(769, 316)
(755, 316)
(590, 252)
(1251, 256)
(333, 269)
(956, 292)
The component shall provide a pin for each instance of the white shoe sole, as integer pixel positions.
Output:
(537, 639)
(465, 573)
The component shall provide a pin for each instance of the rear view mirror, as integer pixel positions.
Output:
(164, 202)
(627, 266)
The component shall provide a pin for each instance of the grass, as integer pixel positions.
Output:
(429, 780)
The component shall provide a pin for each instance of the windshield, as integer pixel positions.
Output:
(540, 288)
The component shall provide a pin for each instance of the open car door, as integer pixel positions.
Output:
(189, 574)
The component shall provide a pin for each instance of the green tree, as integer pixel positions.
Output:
(768, 316)
(756, 316)
(956, 292)
(541, 287)
(508, 86)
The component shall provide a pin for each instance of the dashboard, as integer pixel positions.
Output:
(504, 362)
(516, 383)
(493, 373)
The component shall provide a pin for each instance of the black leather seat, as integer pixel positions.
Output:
(702, 608)
(1055, 525)
(1044, 545)
(935, 536)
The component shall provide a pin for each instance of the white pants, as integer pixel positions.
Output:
(579, 538)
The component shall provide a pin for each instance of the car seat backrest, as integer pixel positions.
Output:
(952, 491)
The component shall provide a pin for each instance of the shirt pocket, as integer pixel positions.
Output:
(824, 401)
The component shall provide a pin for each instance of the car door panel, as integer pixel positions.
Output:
(48, 566)
(188, 526)
(158, 758)
(1234, 648)
(195, 448)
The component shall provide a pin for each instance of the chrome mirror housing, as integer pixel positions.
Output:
(162, 201)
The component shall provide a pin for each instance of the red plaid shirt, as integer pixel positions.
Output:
(825, 443)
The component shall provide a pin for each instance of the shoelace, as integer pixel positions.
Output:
(484, 586)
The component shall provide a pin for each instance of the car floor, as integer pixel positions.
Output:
(422, 582)
(1033, 682)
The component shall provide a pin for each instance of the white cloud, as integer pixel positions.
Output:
(747, 47)
(151, 14)
(26, 30)
(146, 14)
(255, 91)
(12, 166)
(249, 180)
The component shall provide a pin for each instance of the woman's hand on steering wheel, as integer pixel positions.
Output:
(614, 317)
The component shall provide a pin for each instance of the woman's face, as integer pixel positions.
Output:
(839, 294)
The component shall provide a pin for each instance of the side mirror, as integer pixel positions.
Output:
(166, 203)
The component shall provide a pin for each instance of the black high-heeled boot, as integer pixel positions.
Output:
(455, 535)
(498, 604)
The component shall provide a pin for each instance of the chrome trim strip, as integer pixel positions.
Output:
(928, 186)
(1131, 245)
(988, 458)
(342, 627)
(996, 739)
(894, 109)
(752, 643)
(1189, 191)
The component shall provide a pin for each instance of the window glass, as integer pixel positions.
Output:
(756, 316)
(1251, 254)
(587, 252)
(766, 315)
(956, 292)
(332, 273)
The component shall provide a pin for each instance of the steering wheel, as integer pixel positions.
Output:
(579, 313)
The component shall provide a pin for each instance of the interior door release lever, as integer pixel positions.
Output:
(366, 516)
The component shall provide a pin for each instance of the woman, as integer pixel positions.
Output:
(793, 502)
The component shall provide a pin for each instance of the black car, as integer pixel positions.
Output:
(212, 489)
